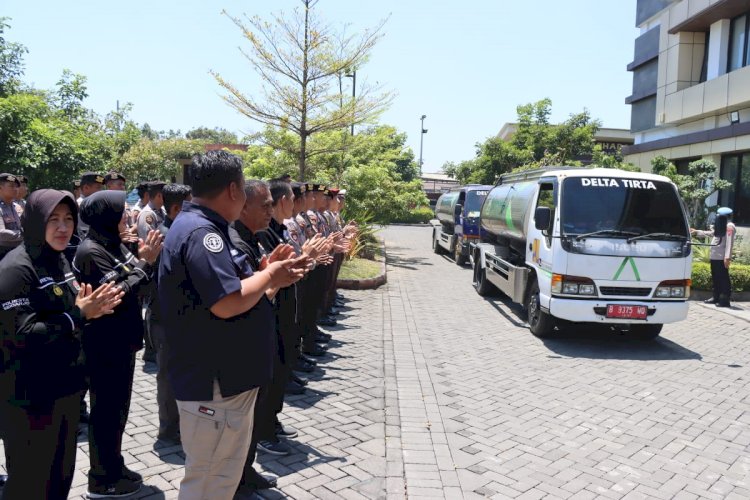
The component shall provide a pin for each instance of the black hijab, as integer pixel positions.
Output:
(102, 211)
(39, 206)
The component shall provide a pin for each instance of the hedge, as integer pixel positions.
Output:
(739, 275)
(416, 216)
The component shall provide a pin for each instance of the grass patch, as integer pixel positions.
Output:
(359, 269)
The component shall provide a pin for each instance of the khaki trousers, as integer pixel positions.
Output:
(216, 438)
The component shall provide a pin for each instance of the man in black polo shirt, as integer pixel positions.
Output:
(219, 326)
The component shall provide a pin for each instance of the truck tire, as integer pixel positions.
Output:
(481, 285)
(646, 332)
(435, 245)
(541, 324)
(458, 254)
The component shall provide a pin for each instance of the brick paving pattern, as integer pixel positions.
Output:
(430, 391)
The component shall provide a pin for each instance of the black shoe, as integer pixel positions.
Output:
(723, 304)
(278, 447)
(315, 351)
(322, 334)
(301, 381)
(170, 438)
(149, 356)
(131, 475)
(304, 367)
(85, 417)
(308, 359)
(710, 301)
(3, 479)
(285, 431)
(122, 488)
(245, 492)
(334, 311)
(293, 388)
(327, 321)
(321, 339)
(258, 481)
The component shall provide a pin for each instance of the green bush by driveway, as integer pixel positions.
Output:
(739, 275)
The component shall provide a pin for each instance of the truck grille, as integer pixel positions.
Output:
(628, 291)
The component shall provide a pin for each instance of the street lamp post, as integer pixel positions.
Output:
(421, 143)
(353, 76)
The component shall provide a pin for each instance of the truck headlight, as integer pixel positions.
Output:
(586, 289)
(673, 289)
(570, 288)
(572, 285)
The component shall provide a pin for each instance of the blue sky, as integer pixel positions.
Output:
(466, 65)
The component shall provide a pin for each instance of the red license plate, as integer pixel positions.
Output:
(626, 311)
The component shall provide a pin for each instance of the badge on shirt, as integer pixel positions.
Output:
(213, 243)
(207, 411)
(57, 290)
(150, 220)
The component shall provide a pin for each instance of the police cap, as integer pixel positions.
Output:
(724, 211)
(319, 188)
(333, 192)
(92, 178)
(23, 179)
(298, 189)
(114, 176)
(76, 184)
(10, 178)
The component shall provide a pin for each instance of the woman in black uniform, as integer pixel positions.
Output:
(42, 309)
(110, 343)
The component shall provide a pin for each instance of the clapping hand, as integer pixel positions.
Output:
(97, 303)
(150, 248)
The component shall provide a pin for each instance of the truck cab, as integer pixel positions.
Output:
(457, 221)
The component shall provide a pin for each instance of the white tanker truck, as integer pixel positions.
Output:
(586, 245)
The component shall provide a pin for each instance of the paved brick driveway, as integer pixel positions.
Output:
(431, 391)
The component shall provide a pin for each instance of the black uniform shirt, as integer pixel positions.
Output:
(200, 266)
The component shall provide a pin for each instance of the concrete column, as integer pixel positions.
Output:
(718, 49)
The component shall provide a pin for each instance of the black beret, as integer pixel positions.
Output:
(10, 178)
(92, 178)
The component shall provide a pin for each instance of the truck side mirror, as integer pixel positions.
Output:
(458, 209)
(543, 218)
(720, 226)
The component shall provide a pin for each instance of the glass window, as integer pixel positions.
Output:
(474, 202)
(736, 169)
(737, 43)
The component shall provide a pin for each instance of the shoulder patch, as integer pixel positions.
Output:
(213, 243)
(150, 220)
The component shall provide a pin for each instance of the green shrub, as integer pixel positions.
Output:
(739, 275)
(416, 216)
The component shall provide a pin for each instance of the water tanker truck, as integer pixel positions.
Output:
(586, 245)
(457, 225)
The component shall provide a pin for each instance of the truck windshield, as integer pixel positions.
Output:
(598, 207)
(474, 200)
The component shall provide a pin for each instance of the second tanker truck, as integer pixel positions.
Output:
(583, 245)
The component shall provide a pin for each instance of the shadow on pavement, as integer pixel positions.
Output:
(394, 259)
(598, 342)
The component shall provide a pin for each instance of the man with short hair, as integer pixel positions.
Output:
(142, 190)
(91, 182)
(152, 215)
(169, 417)
(11, 232)
(23, 191)
(115, 181)
(219, 326)
(76, 189)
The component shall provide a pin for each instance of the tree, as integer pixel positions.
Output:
(694, 188)
(11, 62)
(212, 135)
(147, 159)
(299, 60)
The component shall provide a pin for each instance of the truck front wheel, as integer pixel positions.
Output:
(541, 324)
(458, 254)
(481, 285)
(646, 332)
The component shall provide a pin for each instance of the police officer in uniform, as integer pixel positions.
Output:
(142, 190)
(110, 343)
(169, 417)
(91, 183)
(11, 232)
(721, 258)
(219, 328)
(23, 191)
(76, 189)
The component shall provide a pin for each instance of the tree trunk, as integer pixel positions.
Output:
(302, 154)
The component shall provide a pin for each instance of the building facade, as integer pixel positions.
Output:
(691, 90)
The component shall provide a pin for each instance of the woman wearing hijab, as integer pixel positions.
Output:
(110, 343)
(42, 309)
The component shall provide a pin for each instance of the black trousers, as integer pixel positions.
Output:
(169, 415)
(110, 386)
(722, 285)
(40, 448)
(312, 303)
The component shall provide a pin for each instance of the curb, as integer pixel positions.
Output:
(707, 294)
(369, 283)
(407, 224)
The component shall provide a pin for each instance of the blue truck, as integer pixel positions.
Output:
(457, 221)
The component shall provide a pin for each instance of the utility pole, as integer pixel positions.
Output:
(421, 143)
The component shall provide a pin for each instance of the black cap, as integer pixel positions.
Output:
(114, 176)
(76, 184)
(92, 178)
(298, 188)
(319, 188)
(10, 178)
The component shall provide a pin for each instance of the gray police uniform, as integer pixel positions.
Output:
(11, 232)
(149, 219)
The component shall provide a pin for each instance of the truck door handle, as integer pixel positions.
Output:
(530, 247)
